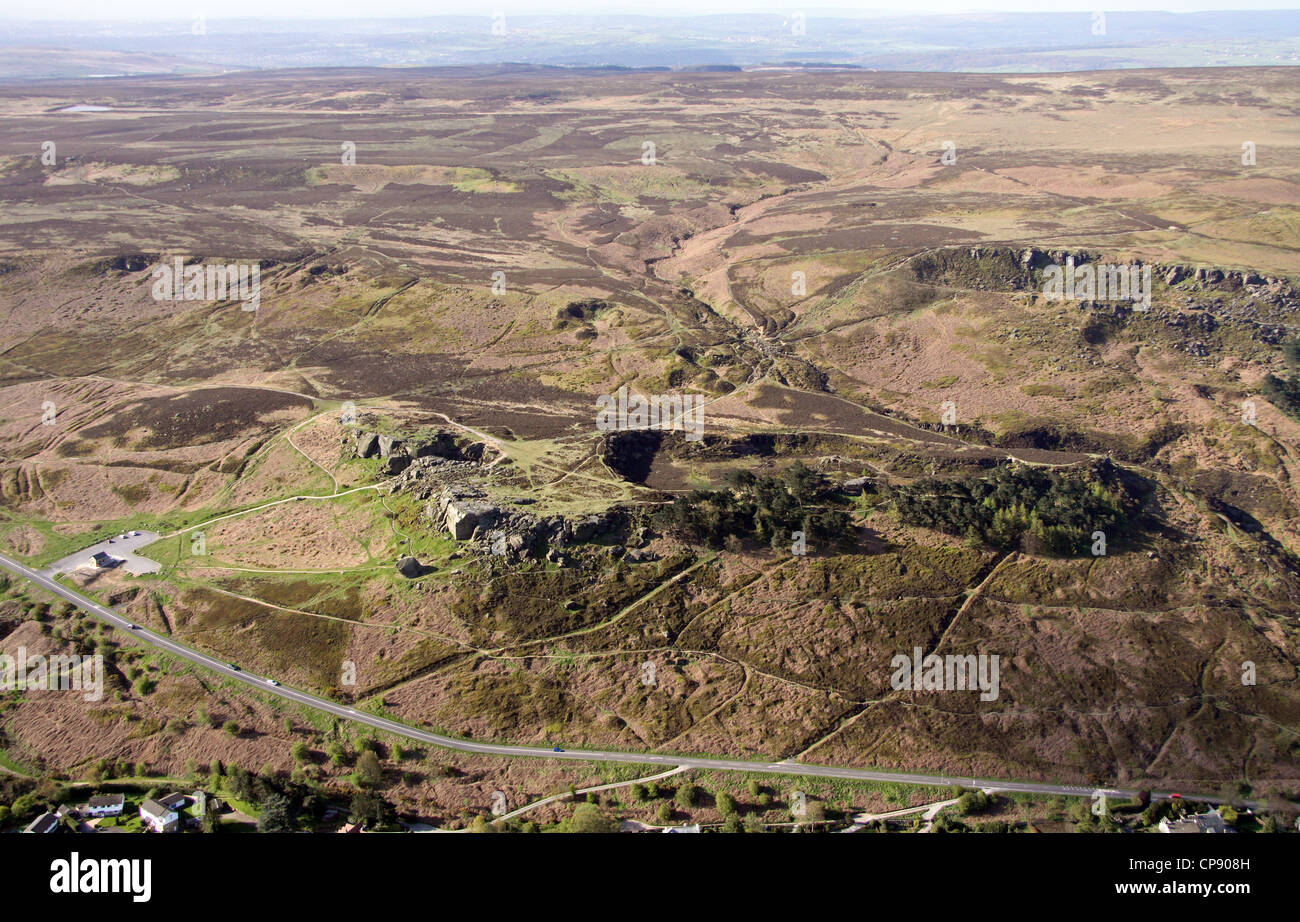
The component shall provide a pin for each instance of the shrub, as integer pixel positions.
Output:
(588, 818)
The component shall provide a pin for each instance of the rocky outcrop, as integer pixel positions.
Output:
(441, 445)
(440, 473)
(466, 517)
(366, 444)
(396, 463)
(425, 475)
(857, 485)
(610, 524)
(463, 511)
(466, 514)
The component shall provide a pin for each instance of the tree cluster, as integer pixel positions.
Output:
(764, 509)
(1047, 511)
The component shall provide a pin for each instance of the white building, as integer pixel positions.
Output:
(104, 805)
(1202, 822)
(159, 818)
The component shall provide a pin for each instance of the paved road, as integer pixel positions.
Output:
(577, 755)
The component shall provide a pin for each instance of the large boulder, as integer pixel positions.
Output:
(367, 444)
(395, 463)
(855, 486)
(411, 568)
(388, 444)
(465, 517)
(594, 527)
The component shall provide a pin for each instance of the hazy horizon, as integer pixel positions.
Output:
(68, 11)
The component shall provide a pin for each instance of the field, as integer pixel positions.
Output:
(798, 251)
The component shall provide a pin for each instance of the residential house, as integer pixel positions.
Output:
(1211, 822)
(176, 801)
(46, 822)
(158, 817)
(105, 805)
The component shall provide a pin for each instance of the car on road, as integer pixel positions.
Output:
(273, 682)
(556, 749)
(130, 626)
(232, 666)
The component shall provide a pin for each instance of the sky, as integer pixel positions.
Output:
(185, 10)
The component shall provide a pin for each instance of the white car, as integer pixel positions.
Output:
(273, 682)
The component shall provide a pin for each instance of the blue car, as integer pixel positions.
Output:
(556, 749)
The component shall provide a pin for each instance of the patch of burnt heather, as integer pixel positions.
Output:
(1053, 436)
(1256, 494)
(1045, 435)
(757, 445)
(197, 417)
(124, 262)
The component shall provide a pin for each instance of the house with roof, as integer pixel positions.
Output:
(104, 560)
(105, 805)
(1211, 822)
(45, 823)
(175, 801)
(158, 817)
